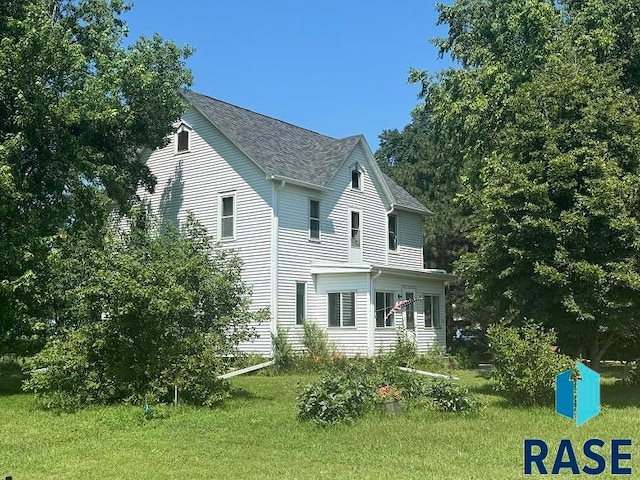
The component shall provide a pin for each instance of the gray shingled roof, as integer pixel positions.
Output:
(284, 150)
(403, 198)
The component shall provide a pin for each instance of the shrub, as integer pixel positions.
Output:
(316, 342)
(284, 355)
(11, 364)
(412, 386)
(69, 375)
(633, 375)
(404, 351)
(434, 359)
(463, 358)
(195, 372)
(448, 396)
(157, 308)
(335, 398)
(525, 367)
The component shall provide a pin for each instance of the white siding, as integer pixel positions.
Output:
(410, 240)
(385, 338)
(335, 205)
(193, 180)
(348, 340)
(296, 251)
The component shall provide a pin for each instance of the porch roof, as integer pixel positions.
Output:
(348, 267)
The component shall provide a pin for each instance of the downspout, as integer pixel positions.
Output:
(275, 229)
(371, 345)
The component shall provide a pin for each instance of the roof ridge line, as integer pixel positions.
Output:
(266, 116)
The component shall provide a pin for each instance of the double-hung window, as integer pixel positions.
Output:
(227, 216)
(392, 225)
(314, 219)
(342, 309)
(356, 230)
(301, 302)
(183, 141)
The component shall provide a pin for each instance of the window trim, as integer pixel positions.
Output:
(361, 222)
(304, 306)
(391, 319)
(183, 127)
(222, 196)
(393, 250)
(318, 219)
(341, 313)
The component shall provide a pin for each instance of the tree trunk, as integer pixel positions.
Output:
(595, 357)
(597, 352)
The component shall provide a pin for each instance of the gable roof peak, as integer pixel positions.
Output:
(284, 150)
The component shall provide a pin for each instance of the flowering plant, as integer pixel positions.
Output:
(387, 393)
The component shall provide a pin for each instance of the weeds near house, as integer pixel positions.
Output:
(316, 342)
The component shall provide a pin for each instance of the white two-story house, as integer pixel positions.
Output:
(323, 234)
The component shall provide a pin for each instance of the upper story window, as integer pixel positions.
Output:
(393, 232)
(183, 138)
(356, 178)
(356, 231)
(314, 219)
(227, 216)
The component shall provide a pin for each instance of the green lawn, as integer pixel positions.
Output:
(257, 435)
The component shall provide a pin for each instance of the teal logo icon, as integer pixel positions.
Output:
(578, 398)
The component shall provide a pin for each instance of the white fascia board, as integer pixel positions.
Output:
(424, 213)
(345, 267)
(292, 181)
(427, 274)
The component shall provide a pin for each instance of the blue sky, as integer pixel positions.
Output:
(336, 67)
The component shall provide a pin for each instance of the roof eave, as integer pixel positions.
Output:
(428, 273)
(299, 183)
(329, 267)
(339, 267)
(424, 212)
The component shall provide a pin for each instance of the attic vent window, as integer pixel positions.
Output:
(356, 179)
(183, 141)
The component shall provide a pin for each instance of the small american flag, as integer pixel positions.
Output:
(400, 304)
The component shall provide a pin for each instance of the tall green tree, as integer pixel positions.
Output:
(76, 108)
(539, 118)
(558, 208)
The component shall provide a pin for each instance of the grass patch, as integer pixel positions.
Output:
(256, 435)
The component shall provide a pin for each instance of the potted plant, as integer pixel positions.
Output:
(389, 399)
